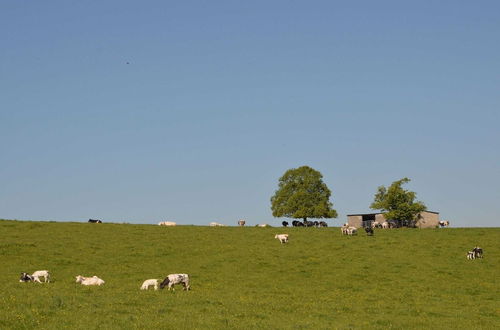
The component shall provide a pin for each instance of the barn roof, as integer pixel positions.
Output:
(381, 213)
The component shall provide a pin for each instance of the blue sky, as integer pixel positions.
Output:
(190, 111)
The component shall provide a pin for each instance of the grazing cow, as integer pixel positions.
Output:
(41, 273)
(94, 280)
(167, 223)
(285, 224)
(95, 221)
(216, 224)
(323, 224)
(147, 283)
(173, 279)
(283, 238)
(25, 277)
(444, 223)
(241, 223)
(369, 231)
(352, 231)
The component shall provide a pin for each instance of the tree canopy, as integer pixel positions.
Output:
(302, 194)
(397, 203)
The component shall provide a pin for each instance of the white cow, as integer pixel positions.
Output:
(167, 223)
(173, 279)
(41, 273)
(385, 225)
(148, 283)
(343, 229)
(283, 238)
(375, 224)
(352, 230)
(216, 224)
(94, 280)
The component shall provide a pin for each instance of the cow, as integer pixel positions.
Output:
(263, 225)
(173, 279)
(25, 277)
(41, 273)
(444, 224)
(95, 221)
(478, 252)
(167, 223)
(323, 224)
(385, 225)
(283, 238)
(369, 231)
(241, 223)
(376, 224)
(216, 224)
(352, 231)
(471, 255)
(94, 280)
(151, 282)
(343, 229)
(285, 223)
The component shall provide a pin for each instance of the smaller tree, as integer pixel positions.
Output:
(302, 194)
(397, 203)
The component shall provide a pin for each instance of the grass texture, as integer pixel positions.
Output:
(243, 278)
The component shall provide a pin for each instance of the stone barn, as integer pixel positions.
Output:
(426, 219)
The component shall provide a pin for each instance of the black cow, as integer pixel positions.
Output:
(323, 224)
(285, 224)
(25, 277)
(369, 231)
(478, 252)
(95, 221)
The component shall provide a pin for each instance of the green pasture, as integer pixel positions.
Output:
(243, 278)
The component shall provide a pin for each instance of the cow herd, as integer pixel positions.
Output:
(169, 281)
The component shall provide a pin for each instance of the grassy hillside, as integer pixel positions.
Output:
(244, 278)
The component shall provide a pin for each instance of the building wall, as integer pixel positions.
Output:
(426, 220)
(355, 221)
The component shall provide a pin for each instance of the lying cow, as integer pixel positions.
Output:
(167, 223)
(147, 283)
(283, 238)
(95, 221)
(444, 223)
(173, 279)
(94, 280)
(216, 224)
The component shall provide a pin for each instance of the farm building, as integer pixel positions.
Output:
(426, 219)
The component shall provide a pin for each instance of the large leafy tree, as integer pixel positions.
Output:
(397, 203)
(302, 194)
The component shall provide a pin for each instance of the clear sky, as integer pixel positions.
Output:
(190, 111)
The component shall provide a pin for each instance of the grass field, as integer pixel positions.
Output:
(244, 278)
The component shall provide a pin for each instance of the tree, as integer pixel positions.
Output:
(397, 203)
(302, 194)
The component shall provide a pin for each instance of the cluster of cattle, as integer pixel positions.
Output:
(476, 252)
(169, 281)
